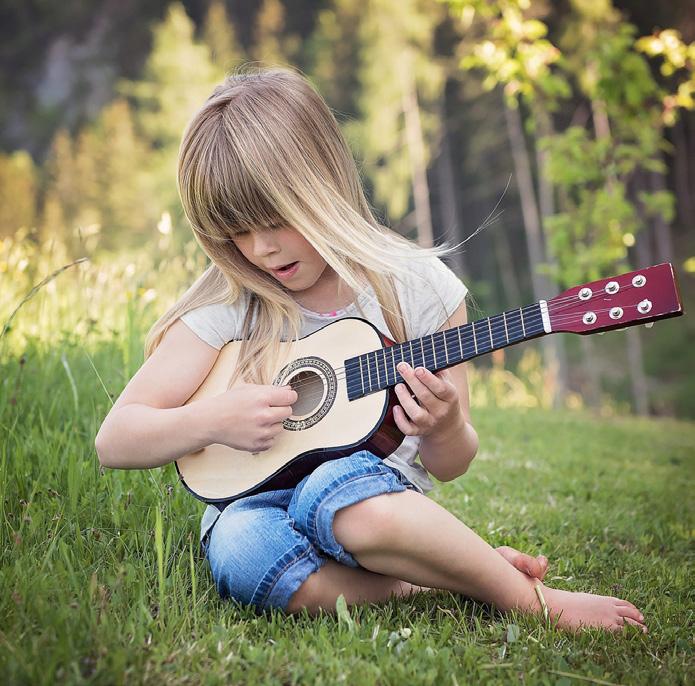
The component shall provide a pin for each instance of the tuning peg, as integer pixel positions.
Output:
(649, 325)
(600, 333)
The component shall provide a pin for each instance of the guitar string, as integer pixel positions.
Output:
(555, 307)
(440, 349)
(529, 321)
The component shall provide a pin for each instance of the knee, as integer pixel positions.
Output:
(368, 523)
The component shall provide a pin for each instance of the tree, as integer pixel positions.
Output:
(179, 75)
(272, 44)
(401, 84)
(220, 37)
(17, 192)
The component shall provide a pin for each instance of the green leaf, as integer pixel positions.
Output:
(513, 633)
(343, 614)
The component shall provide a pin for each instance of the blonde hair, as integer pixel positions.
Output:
(265, 149)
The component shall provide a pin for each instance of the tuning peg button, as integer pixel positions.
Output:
(644, 306)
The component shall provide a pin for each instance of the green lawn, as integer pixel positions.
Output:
(102, 582)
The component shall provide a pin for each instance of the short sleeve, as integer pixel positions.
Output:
(216, 324)
(429, 295)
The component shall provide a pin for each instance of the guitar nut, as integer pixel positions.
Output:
(616, 312)
(644, 306)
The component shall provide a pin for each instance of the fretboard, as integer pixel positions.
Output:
(376, 370)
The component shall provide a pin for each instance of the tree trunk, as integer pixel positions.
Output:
(638, 379)
(546, 199)
(592, 377)
(662, 229)
(686, 208)
(452, 227)
(416, 153)
(527, 196)
(533, 234)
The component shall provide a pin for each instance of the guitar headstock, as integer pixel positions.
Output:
(638, 297)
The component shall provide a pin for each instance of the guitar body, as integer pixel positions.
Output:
(325, 424)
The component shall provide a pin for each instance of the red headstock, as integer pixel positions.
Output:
(638, 297)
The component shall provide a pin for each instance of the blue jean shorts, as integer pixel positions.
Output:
(264, 546)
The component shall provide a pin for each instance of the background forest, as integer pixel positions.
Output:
(582, 108)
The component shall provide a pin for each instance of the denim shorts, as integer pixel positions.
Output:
(264, 546)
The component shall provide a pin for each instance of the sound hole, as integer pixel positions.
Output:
(310, 392)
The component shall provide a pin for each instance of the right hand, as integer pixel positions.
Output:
(249, 416)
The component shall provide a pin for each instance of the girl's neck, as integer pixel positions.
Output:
(328, 294)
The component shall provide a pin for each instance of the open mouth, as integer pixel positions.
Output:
(286, 270)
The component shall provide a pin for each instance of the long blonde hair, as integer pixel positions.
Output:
(265, 149)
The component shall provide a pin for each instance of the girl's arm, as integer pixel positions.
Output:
(149, 426)
(447, 450)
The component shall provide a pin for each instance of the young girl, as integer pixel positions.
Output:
(275, 200)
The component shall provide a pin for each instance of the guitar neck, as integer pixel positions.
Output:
(376, 370)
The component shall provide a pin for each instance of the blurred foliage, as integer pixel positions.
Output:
(601, 109)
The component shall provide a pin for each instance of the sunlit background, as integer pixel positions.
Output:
(582, 110)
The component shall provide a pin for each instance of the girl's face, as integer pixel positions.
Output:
(285, 254)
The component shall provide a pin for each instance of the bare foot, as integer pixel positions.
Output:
(533, 566)
(581, 610)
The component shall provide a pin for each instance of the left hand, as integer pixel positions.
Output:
(437, 396)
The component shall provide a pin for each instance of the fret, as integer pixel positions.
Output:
(533, 320)
(422, 350)
(426, 360)
(469, 350)
(393, 361)
(398, 357)
(449, 347)
(489, 328)
(513, 318)
(506, 332)
(412, 354)
(498, 333)
(361, 373)
(475, 342)
(386, 369)
(482, 338)
(523, 326)
(369, 372)
(458, 328)
(376, 364)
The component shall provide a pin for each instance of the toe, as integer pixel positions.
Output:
(629, 612)
(637, 624)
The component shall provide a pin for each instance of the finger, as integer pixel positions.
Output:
(282, 396)
(404, 425)
(422, 392)
(278, 414)
(414, 412)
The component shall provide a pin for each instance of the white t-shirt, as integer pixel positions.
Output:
(428, 295)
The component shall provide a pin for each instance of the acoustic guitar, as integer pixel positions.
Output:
(344, 374)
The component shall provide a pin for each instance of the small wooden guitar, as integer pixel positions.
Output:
(344, 374)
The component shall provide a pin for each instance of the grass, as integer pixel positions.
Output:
(102, 581)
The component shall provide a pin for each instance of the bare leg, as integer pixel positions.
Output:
(421, 542)
(321, 589)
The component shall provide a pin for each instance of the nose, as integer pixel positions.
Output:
(263, 244)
